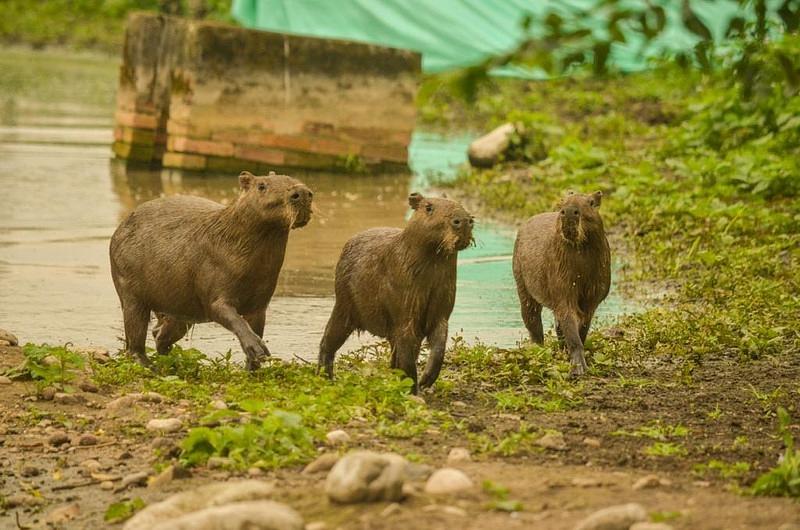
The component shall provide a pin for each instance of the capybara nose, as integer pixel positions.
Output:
(462, 222)
(572, 211)
(301, 193)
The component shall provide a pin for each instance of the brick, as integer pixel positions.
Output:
(390, 153)
(184, 161)
(318, 128)
(305, 143)
(127, 151)
(136, 120)
(237, 136)
(182, 144)
(372, 134)
(130, 135)
(254, 153)
(313, 161)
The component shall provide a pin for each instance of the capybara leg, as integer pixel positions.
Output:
(168, 331)
(570, 328)
(560, 336)
(136, 318)
(254, 348)
(336, 332)
(437, 341)
(256, 321)
(531, 315)
(406, 350)
(584, 331)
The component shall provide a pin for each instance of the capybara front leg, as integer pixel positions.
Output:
(531, 314)
(256, 322)
(168, 331)
(254, 348)
(570, 328)
(405, 349)
(437, 340)
(336, 332)
(136, 318)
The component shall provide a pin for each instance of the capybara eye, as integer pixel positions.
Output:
(262, 187)
(562, 211)
(471, 221)
(429, 208)
(456, 222)
(295, 196)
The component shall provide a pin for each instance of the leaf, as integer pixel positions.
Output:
(693, 23)
(120, 511)
(736, 27)
(601, 51)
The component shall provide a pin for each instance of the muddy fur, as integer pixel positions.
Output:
(193, 260)
(401, 285)
(562, 261)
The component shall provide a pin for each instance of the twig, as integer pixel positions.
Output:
(306, 361)
(19, 525)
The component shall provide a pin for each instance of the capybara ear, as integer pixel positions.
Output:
(414, 200)
(596, 198)
(570, 192)
(245, 180)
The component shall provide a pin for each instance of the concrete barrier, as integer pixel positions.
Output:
(206, 96)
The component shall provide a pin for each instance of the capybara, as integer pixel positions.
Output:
(400, 284)
(562, 261)
(193, 260)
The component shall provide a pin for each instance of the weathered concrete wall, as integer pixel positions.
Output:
(207, 96)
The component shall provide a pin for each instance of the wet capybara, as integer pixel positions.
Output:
(400, 284)
(562, 261)
(193, 260)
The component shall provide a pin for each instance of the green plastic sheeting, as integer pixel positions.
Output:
(457, 33)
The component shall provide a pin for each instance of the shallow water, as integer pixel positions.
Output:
(61, 197)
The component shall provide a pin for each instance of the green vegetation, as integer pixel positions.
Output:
(500, 500)
(55, 367)
(784, 479)
(82, 23)
(120, 511)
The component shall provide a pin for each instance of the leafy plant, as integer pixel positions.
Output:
(500, 500)
(49, 366)
(120, 511)
(784, 479)
(665, 449)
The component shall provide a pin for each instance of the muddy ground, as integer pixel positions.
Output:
(725, 418)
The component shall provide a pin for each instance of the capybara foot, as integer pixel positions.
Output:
(579, 367)
(142, 359)
(326, 368)
(255, 351)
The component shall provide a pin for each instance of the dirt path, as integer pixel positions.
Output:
(556, 487)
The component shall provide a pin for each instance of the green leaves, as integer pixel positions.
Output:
(120, 511)
(784, 479)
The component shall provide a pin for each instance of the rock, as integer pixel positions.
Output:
(30, 471)
(88, 386)
(165, 425)
(620, 517)
(23, 499)
(57, 439)
(458, 455)
(166, 476)
(337, 437)
(99, 355)
(317, 525)
(62, 514)
(323, 462)
(9, 337)
(583, 482)
(651, 526)
(134, 479)
(218, 404)
(88, 439)
(5, 380)
(649, 481)
(63, 398)
(591, 442)
(454, 510)
(122, 404)
(4, 343)
(552, 440)
(103, 477)
(390, 510)
(255, 472)
(219, 462)
(206, 497)
(107, 485)
(448, 481)
(91, 465)
(50, 360)
(252, 515)
(459, 404)
(416, 399)
(47, 393)
(364, 476)
(486, 150)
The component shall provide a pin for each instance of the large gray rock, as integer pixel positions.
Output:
(486, 150)
(365, 476)
(620, 517)
(199, 499)
(251, 515)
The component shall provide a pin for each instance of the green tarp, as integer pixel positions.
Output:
(457, 33)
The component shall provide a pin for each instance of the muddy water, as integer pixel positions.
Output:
(61, 197)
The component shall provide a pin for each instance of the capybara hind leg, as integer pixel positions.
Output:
(406, 350)
(136, 318)
(254, 348)
(585, 324)
(531, 315)
(570, 328)
(256, 321)
(168, 331)
(336, 332)
(437, 341)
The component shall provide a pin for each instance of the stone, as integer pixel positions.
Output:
(448, 481)
(205, 497)
(107, 485)
(553, 441)
(57, 439)
(591, 442)
(218, 404)
(167, 475)
(255, 472)
(323, 462)
(390, 510)
(486, 150)
(219, 462)
(88, 386)
(50, 360)
(651, 526)
(91, 465)
(585, 482)
(30, 471)
(62, 514)
(4, 343)
(123, 403)
(365, 476)
(649, 481)
(88, 439)
(337, 437)
(9, 337)
(63, 398)
(416, 399)
(165, 425)
(5, 380)
(134, 479)
(317, 525)
(458, 455)
(620, 517)
(23, 499)
(454, 510)
(47, 393)
(251, 515)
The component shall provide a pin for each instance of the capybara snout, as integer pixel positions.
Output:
(278, 198)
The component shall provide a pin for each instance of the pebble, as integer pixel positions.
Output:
(219, 462)
(62, 514)
(255, 472)
(103, 477)
(47, 393)
(88, 386)
(454, 510)
(448, 481)
(88, 439)
(392, 509)
(64, 398)
(620, 517)
(107, 485)
(134, 479)
(591, 442)
(649, 481)
(584, 482)
(365, 476)
(417, 399)
(458, 455)
(30, 471)
(57, 439)
(218, 404)
(50, 360)
(651, 526)
(552, 440)
(337, 437)
(165, 425)
(162, 479)
(22, 499)
(459, 404)
(323, 462)
(5, 380)
(91, 465)
(9, 337)
(4, 343)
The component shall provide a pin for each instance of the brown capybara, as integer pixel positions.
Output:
(400, 284)
(562, 261)
(193, 260)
